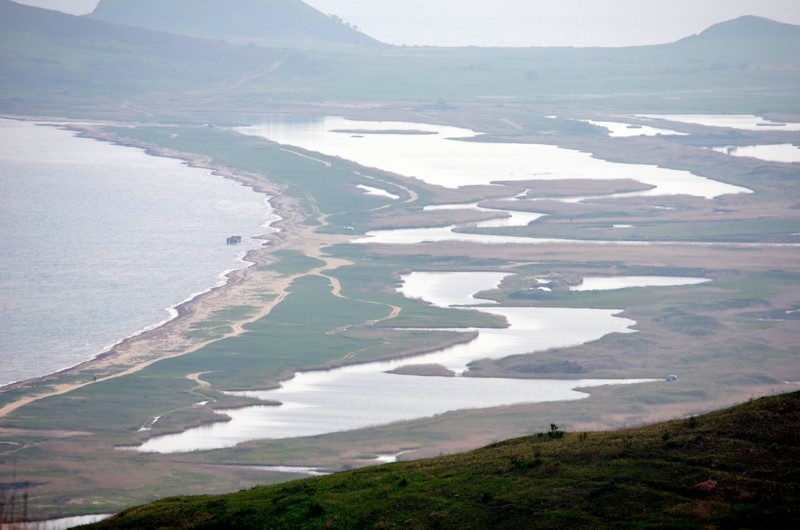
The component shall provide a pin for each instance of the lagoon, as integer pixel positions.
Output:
(787, 153)
(626, 130)
(607, 283)
(366, 395)
(453, 157)
(745, 122)
(504, 219)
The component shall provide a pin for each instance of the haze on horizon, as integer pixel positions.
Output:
(520, 23)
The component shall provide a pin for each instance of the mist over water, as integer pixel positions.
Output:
(100, 240)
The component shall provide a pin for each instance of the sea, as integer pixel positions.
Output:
(100, 242)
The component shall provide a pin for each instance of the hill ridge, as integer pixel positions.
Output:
(263, 22)
(746, 28)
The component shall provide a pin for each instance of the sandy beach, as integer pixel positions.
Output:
(254, 286)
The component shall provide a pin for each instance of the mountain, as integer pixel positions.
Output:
(746, 37)
(749, 28)
(735, 468)
(263, 22)
(47, 56)
(51, 62)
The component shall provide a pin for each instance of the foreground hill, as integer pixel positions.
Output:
(264, 22)
(735, 468)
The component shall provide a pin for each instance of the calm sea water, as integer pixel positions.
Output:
(100, 241)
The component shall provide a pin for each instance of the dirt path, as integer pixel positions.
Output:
(201, 384)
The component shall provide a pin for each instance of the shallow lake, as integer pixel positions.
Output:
(449, 156)
(364, 395)
(597, 283)
(626, 130)
(746, 122)
(772, 153)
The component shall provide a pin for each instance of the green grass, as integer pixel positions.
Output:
(291, 261)
(735, 468)
(333, 188)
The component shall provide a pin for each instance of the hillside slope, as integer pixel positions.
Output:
(47, 56)
(264, 22)
(736, 468)
(52, 61)
(746, 38)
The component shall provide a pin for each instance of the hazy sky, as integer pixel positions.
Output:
(527, 22)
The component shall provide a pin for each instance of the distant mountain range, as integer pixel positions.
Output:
(47, 55)
(263, 22)
(51, 61)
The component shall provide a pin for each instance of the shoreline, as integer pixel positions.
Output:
(167, 339)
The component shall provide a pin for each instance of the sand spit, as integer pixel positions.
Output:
(255, 286)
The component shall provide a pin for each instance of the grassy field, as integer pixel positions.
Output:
(728, 340)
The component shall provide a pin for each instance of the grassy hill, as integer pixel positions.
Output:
(263, 22)
(735, 468)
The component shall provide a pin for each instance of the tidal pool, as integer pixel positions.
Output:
(366, 395)
(451, 157)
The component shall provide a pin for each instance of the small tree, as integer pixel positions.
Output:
(555, 432)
